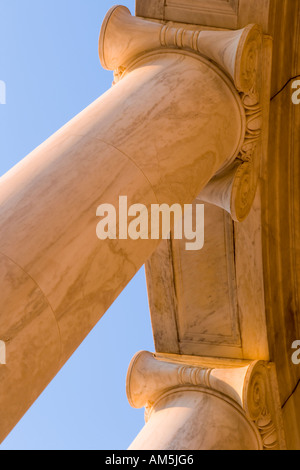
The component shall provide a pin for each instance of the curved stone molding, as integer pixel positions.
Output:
(250, 385)
(149, 376)
(238, 54)
(234, 189)
(260, 403)
(123, 37)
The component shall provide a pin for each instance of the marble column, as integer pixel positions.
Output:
(204, 404)
(173, 121)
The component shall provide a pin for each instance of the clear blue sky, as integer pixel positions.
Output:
(49, 61)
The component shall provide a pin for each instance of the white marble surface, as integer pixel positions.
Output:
(188, 419)
(158, 136)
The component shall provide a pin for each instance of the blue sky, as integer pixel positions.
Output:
(49, 62)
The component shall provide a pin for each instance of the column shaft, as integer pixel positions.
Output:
(191, 419)
(158, 136)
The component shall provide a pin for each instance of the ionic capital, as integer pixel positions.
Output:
(125, 40)
(124, 37)
(249, 386)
